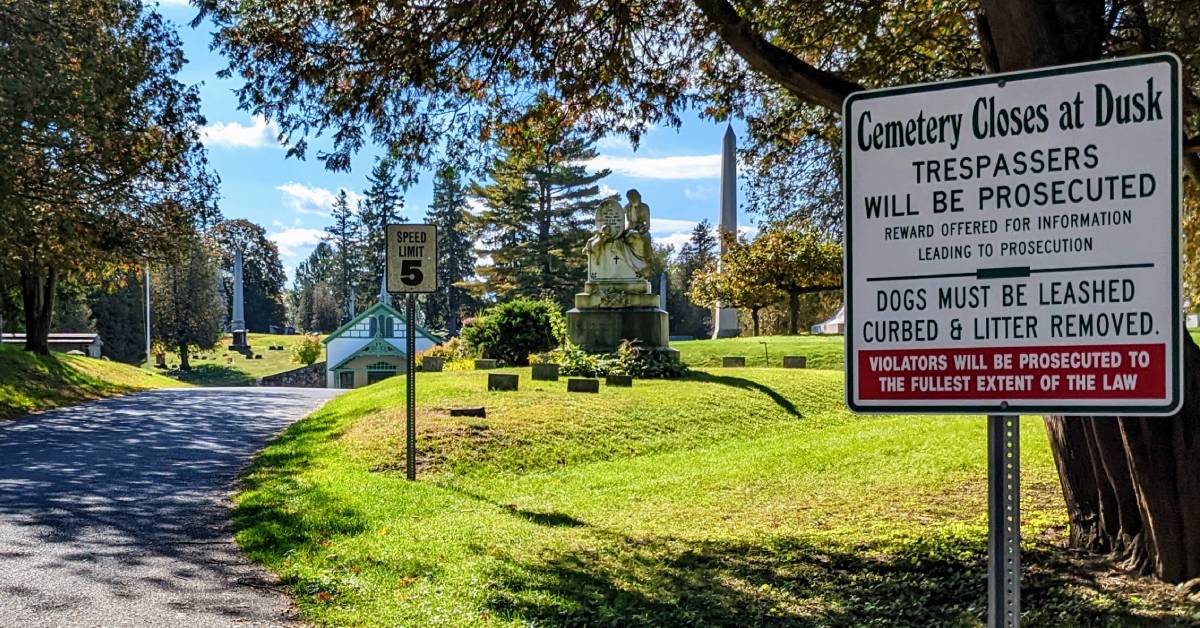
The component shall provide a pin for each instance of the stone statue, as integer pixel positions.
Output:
(617, 302)
(620, 249)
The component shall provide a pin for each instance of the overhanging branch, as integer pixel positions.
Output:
(806, 82)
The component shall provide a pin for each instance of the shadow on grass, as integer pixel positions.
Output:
(213, 375)
(545, 519)
(30, 382)
(741, 382)
(788, 581)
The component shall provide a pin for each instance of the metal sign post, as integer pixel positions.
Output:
(411, 269)
(1004, 521)
(410, 425)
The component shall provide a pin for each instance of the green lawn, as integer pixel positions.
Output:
(736, 497)
(29, 383)
(222, 367)
(823, 352)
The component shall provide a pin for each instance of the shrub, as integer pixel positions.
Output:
(629, 359)
(307, 350)
(509, 332)
(453, 349)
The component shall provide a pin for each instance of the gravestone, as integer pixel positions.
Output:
(483, 365)
(478, 411)
(502, 381)
(431, 364)
(624, 381)
(545, 372)
(794, 361)
(582, 385)
(731, 361)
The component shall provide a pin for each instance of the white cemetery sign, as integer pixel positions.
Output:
(1013, 243)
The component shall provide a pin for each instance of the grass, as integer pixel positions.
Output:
(29, 383)
(746, 497)
(222, 367)
(823, 352)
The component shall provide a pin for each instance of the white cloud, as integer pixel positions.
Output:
(700, 193)
(317, 201)
(289, 240)
(677, 167)
(667, 225)
(259, 134)
(675, 240)
(607, 190)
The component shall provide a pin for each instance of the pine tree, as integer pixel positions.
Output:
(538, 203)
(187, 312)
(346, 235)
(456, 250)
(319, 268)
(686, 318)
(382, 204)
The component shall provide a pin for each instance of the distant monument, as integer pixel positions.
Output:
(237, 326)
(725, 319)
(617, 302)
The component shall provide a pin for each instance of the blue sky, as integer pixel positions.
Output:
(676, 170)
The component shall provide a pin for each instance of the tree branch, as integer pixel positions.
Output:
(806, 82)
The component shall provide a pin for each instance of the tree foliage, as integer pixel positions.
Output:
(742, 280)
(103, 163)
(187, 312)
(511, 331)
(456, 249)
(537, 204)
(796, 259)
(382, 204)
(698, 253)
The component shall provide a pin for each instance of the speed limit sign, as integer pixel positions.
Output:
(411, 258)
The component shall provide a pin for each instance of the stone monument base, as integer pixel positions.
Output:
(239, 341)
(602, 329)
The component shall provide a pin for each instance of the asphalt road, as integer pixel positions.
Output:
(116, 513)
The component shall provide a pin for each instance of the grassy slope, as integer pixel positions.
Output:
(737, 498)
(823, 352)
(222, 367)
(29, 383)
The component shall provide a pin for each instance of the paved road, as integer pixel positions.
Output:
(115, 513)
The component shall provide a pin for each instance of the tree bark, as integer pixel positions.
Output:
(184, 363)
(793, 312)
(754, 317)
(37, 294)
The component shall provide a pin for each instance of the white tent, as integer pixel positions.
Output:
(836, 324)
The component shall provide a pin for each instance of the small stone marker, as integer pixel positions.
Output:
(578, 384)
(478, 411)
(624, 381)
(733, 360)
(545, 372)
(431, 364)
(502, 381)
(794, 361)
(483, 365)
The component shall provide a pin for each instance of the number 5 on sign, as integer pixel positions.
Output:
(411, 258)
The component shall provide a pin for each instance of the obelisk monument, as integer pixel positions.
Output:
(725, 319)
(237, 326)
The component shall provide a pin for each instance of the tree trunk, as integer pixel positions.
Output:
(754, 317)
(184, 364)
(37, 294)
(1156, 464)
(793, 313)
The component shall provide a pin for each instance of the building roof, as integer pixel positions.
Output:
(54, 337)
(375, 309)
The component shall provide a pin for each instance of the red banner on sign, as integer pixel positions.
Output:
(1127, 371)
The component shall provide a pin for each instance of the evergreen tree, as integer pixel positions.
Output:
(456, 251)
(537, 206)
(346, 235)
(187, 311)
(382, 204)
(686, 318)
(319, 268)
(119, 311)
